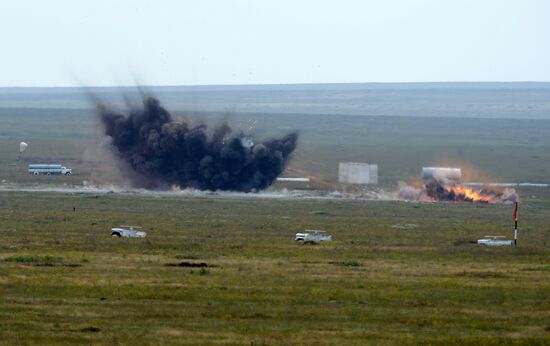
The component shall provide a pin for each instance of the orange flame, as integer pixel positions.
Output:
(467, 193)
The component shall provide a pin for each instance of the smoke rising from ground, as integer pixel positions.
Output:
(157, 152)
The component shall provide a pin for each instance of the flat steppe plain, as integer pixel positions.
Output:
(395, 273)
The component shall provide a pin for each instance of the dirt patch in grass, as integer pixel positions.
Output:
(482, 275)
(69, 265)
(41, 261)
(463, 242)
(190, 264)
(319, 212)
(34, 260)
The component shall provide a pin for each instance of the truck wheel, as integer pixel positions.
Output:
(48, 173)
(115, 235)
(35, 173)
(68, 173)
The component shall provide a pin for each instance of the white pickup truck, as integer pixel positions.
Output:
(313, 236)
(128, 232)
(493, 240)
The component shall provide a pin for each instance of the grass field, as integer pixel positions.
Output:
(395, 273)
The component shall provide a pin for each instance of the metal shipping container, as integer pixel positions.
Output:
(441, 173)
(357, 173)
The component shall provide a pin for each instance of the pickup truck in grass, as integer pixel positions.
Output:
(313, 236)
(127, 232)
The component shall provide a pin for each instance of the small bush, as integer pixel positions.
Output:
(351, 263)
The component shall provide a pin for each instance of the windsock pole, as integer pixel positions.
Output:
(516, 224)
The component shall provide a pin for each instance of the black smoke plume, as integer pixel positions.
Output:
(162, 152)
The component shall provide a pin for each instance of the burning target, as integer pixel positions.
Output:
(444, 184)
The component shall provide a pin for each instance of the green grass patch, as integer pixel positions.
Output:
(34, 259)
(350, 263)
(538, 269)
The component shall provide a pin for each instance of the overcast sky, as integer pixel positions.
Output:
(101, 42)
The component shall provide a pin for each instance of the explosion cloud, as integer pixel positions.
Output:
(161, 152)
(444, 184)
(453, 191)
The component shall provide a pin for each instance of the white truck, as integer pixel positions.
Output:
(313, 236)
(494, 240)
(127, 232)
(49, 169)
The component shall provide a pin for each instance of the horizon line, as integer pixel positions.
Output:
(266, 84)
